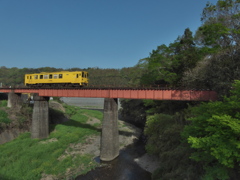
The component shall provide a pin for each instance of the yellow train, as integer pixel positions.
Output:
(57, 79)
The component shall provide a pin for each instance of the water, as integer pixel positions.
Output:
(121, 168)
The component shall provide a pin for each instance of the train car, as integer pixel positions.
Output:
(57, 79)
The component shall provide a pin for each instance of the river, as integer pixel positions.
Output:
(124, 167)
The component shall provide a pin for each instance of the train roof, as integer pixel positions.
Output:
(58, 72)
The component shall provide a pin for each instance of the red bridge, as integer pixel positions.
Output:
(110, 136)
(156, 94)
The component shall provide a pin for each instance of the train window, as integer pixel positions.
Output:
(60, 75)
(41, 76)
(55, 76)
(30, 77)
(50, 76)
(45, 76)
(77, 76)
(27, 77)
(35, 76)
(82, 74)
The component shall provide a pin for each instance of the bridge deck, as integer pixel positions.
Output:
(156, 94)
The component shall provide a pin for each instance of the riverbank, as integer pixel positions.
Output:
(52, 158)
(148, 162)
(128, 135)
(71, 149)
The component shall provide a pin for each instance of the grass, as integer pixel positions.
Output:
(3, 103)
(4, 117)
(26, 158)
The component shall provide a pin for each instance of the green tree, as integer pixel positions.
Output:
(221, 26)
(214, 133)
(186, 51)
(218, 42)
(163, 132)
(167, 64)
(160, 67)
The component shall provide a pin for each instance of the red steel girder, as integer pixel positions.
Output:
(156, 94)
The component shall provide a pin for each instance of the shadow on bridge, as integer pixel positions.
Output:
(76, 124)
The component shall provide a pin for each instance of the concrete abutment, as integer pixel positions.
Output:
(14, 100)
(40, 117)
(110, 135)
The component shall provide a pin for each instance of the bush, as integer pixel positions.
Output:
(214, 135)
(4, 117)
(3, 103)
(164, 140)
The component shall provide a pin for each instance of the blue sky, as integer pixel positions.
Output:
(90, 33)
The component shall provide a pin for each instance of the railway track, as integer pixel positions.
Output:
(106, 88)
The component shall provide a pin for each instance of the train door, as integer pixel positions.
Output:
(84, 78)
(74, 78)
(30, 79)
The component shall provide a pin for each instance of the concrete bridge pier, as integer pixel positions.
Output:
(14, 100)
(109, 149)
(40, 117)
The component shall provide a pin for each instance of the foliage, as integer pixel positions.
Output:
(3, 103)
(219, 41)
(159, 67)
(215, 133)
(124, 77)
(207, 60)
(221, 23)
(26, 158)
(156, 125)
(133, 111)
(166, 64)
(163, 132)
(12, 118)
(4, 117)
